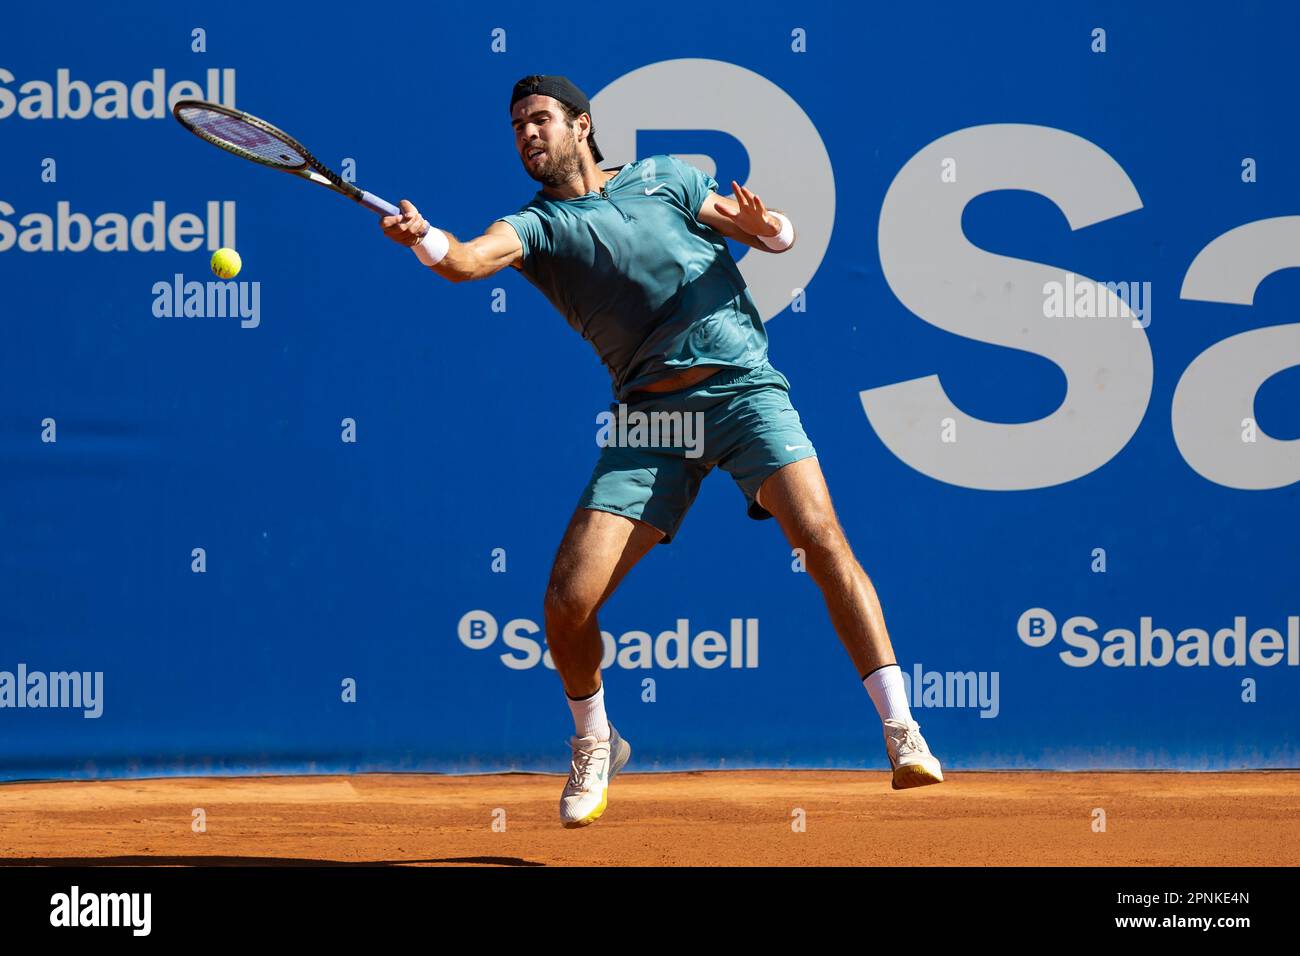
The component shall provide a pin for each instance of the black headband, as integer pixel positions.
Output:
(561, 89)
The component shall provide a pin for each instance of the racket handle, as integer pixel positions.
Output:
(375, 204)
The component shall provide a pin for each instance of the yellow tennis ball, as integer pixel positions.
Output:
(226, 263)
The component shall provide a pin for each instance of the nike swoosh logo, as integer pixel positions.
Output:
(658, 186)
(794, 447)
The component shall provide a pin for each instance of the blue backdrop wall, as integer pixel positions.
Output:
(1083, 529)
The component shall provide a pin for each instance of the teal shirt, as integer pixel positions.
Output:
(639, 277)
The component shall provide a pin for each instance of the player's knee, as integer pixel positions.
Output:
(824, 543)
(824, 536)
(567, 605)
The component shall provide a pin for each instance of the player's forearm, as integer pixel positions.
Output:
(478, 258)
(460, 262)
(436, 248)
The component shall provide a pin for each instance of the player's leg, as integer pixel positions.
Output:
(637, 497)
(762, 444)
(597, 551)
(797, 496)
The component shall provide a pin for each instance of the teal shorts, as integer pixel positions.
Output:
(651, 464)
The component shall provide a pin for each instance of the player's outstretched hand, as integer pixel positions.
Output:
(406, 229)
(750, 214)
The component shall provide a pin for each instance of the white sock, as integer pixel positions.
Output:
(888, 693)
(589, 718)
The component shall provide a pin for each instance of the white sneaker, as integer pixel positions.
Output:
(909, 756)
(594, 763)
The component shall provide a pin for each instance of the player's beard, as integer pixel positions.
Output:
(561, 165)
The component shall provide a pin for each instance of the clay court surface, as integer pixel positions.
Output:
(717, 818)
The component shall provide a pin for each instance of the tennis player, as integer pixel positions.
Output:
(635, 259)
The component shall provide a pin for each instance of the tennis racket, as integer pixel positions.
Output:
(255, 139)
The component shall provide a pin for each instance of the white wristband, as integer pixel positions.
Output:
(782, 239)
(432, 247)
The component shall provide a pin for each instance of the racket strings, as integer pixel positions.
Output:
(240, 136)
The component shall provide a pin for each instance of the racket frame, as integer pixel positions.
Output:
(311, 168)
